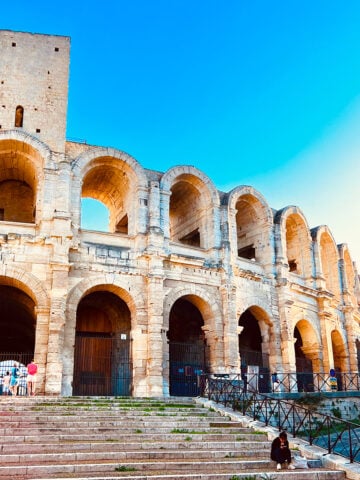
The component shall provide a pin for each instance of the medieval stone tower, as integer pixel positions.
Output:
(186, 279)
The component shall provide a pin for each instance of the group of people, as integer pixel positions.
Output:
(11, 380)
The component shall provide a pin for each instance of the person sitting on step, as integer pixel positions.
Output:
(280, 451)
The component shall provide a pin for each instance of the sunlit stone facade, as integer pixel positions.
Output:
(187, 278)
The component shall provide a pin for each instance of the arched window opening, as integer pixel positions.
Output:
(186, 216)
(19, 116)
(94, 215)
(17, 202)
(298, 246)
(248, 227)
(329, 263)
(108, 182)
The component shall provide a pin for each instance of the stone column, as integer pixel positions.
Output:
(155, 351)
(327, 353)
(231, 335)
(54, 367)
(41, 345)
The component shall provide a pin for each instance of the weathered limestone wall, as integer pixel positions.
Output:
(34, 72)
(290, 278)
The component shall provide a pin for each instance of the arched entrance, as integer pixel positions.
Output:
(254, 362)
(187, 347)
(17, 326)
(307, 358)
(340, 356)
(17, 321)
(102, 363)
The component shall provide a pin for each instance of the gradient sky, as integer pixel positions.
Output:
(263, 93)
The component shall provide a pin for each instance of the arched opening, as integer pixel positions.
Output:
(19, 116)
(349, 272)
(17, 202)
(187, 347)
(340, 357)
(306, 355)
(94, 215)
(17, 326)
(102, 363)
(111, 182)
(18, 181)
(251, 228)
(254, 362)
(298, 246)
(329, 263)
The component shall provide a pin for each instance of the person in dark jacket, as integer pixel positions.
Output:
(280, 451)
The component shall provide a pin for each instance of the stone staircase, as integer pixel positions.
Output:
(104, 438)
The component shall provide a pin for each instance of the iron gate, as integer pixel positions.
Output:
(187, 362)
(102, 365)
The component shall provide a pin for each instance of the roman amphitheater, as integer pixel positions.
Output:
(187, 279)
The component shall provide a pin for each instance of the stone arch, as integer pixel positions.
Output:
(251, 222)
(119, 182)
(340, 354)
(195, 341)
(253, 312)
(133, 298)
(203, 300)
(19, 278)
(22, 162)
(190, 207)
(22, 295)
(295, 239)
(307, 347)
(327, 258)
(348, 275)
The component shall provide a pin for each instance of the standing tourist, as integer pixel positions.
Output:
(31, 378)
(14, 379)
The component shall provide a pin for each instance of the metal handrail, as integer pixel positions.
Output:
(330, 433)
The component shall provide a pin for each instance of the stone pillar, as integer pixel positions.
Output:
(154, 206)
(165, 213)
(142, 211)
(155, 335)
(54, 367)
(326, 347)
(41, 345)
(351, 338)
(231, 335)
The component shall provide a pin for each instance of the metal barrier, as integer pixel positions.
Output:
(7, 361)
(330, 433)
(293, 382)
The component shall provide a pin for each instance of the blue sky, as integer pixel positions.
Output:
(265, 93)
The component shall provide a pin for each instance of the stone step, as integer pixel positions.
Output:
(82, 438)
(157, 470)
(118, 455)
(260, 475)
(114, 435)
(140, 429)
(98, 446)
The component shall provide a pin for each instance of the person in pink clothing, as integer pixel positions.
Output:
(31, 378)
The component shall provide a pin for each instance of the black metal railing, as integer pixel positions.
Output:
(296, 382)
(328, 432)
(7, 360)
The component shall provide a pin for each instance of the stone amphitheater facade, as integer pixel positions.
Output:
(186, 279)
